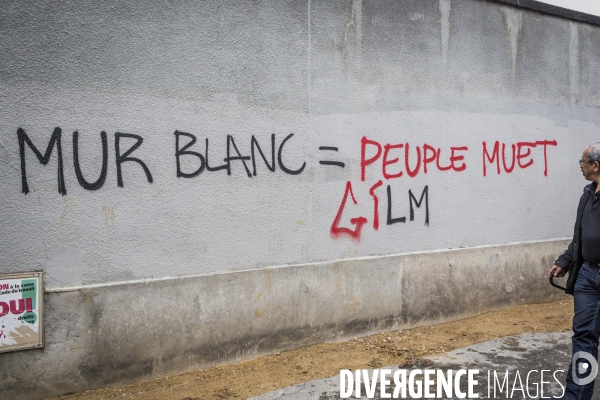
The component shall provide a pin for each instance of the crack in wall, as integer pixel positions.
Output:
(514, 22)
(574, 83)
(445, 7)
(356, 22)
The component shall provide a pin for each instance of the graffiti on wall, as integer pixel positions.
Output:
(379, 163)
(396, 160)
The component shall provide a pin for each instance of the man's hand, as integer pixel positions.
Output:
(558, 271)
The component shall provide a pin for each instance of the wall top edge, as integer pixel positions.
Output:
(553, 10)
(166, 278)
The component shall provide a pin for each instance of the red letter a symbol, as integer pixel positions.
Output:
(358, 223)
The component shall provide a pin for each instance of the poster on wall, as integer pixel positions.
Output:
(21, 297)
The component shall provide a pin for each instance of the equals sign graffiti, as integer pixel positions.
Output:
(336, 163)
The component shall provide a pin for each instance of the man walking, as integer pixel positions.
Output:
(581, 260)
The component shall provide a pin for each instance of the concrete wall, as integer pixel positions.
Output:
(178, 272)
(105, 335)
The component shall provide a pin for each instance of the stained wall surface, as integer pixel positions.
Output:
(245, 137)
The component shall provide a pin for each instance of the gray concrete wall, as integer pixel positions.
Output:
(112, 334)
(449, 74)
(139, 273)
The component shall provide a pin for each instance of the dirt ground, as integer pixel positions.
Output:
(265, 374)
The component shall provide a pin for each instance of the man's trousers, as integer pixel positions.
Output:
(586, 330)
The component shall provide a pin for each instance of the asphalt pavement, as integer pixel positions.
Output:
(507, 368)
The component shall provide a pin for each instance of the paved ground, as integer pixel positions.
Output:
(514, 356)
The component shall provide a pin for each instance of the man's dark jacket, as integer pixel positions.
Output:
(572, 259)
